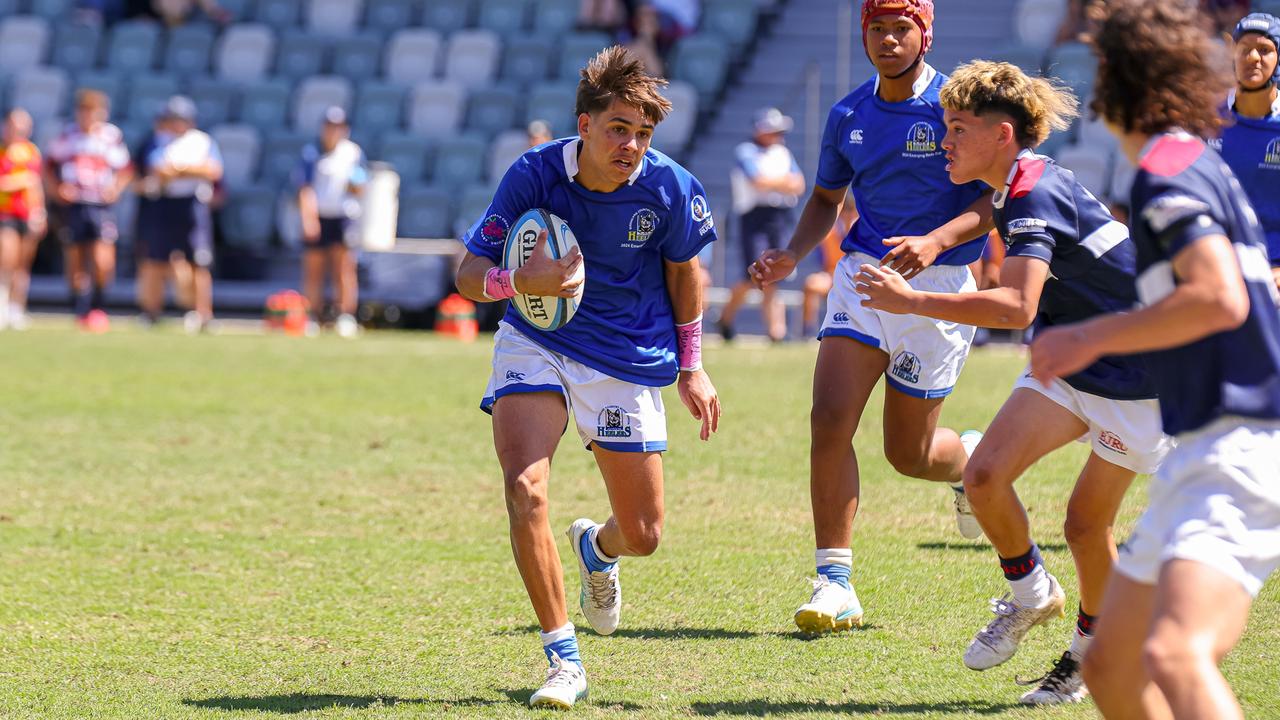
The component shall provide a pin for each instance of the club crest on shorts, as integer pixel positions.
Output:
(613, 422)
(1112, 442)
(906, 367)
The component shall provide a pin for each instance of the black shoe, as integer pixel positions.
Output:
(727, 332)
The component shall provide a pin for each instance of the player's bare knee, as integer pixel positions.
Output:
(641, 537)
(1083, 532)
(526, 493)
(829, 422)
(982, 475)
(909, 460)
(1168, 654)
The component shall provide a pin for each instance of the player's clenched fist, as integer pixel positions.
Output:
(544, 275)
(773, 265)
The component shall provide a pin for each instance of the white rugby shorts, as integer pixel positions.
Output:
(1127, 433)
(1216, 501)
(612, 413)
(925, 355)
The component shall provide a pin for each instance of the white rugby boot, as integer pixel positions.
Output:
(966, 522)
(831, 608)
(999, 640)
(601, 596)
(565, 685)
(1062, 685)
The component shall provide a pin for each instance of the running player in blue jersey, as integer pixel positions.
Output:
(1186, 577)
(1068, 260)
(882, 141)
(1251, 143)
(640, 220)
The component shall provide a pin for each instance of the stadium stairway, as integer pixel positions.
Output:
(804, 33)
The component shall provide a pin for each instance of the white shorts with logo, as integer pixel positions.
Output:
(925, 355)
(612, 413)
(1128, 433)
(1216, 501)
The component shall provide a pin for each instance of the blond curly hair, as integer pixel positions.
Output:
(1036, 105)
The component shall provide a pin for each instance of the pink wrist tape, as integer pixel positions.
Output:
(498, 284)
(689, 345)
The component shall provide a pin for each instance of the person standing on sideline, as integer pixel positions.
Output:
(179, 170)
(1185, 580)
(640, 220)
(1251, 143)
(86, 169)
(22, 217)
(882, 141)
(330, 179)
(767, 185)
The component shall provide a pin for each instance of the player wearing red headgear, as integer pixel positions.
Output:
(884, 142)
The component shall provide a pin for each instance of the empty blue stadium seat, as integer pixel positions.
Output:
(733, 20)
(527, 59)
(447, 15)
(299, 55)
(215, 100)
(240, 10)
(241, 147)
(1029, 59)
(505, 17)
(281, 155)
(459, 162)
(387, 16)
(75, 46)
(9, 7)
(412, 55)
(245, 52)
(265, 104)
(53, 9)
(279, 14)
(492, 110)
(702, 62)
(425, 212)
(553, 102)
(188, 50)
(132, 45)
(1075, 65)
(555, 17)
(357, 57)
(249, 219)
(106, 81)
(148, 94)
(472, 205)
(407, 153)
(379, 107)
(577, 49)
(334, 18)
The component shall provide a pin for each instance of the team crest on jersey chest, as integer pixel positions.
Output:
(922, 140)
(642, 226)
(1271, 158)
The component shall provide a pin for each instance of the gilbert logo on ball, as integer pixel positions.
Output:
(548, 312)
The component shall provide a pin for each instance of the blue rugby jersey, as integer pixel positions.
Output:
(1043, 213)
(624, 326)
(1251, 148)
(1183, 192)
(891, 155)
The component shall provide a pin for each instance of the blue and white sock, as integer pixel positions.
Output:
(592, 555)
(562, 641)
(835, 564)
(1028, 578)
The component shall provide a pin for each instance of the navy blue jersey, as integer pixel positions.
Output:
(1183, 192)
(624, 326)
(1251, 147)
(891, 155)
(1043, 213)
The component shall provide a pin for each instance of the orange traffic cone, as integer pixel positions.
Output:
(457, 316)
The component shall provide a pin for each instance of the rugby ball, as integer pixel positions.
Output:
(550, 312)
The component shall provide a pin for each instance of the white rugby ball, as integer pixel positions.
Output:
(543, 312)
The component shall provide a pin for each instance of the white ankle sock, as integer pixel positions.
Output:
(833, 556)
(1032, 591)
(564, 632)
(1080, 643)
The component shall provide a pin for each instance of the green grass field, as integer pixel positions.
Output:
(241, 526)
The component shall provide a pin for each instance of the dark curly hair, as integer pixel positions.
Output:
(1155, 68)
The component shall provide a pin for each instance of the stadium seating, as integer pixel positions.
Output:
(214, 100)
(379, 107)
(147, 94)
(52, 9)
(42, 91)
(553, 103)
(492, 110)
(475, 201)
(447, 16)
(731, 20)
(425, 211)
(279, 14)
(333, 17)
(249, 218)
(407, 153)
(504, 17)
(471, 57)
(132, 46)
(459, 162)
(505, 149)
(412, 54)
(1074, 64)
(240, 146)
(357, 58)
(527, 60)
(1037, 21)
(1091, 166)
(576, 50)
(702, 62)
(245, 52)
(314, 95)
(188, 49)
(553, 18)
(673, 133)
(264, 104)
(386, 16)
(75, 47)
(299, 55)
(281, 155)
(24, 41)
(436, 108)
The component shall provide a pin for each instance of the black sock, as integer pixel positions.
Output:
(95, 300)
(1085, 622)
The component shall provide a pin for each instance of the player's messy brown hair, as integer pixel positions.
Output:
(90, 99)
(1036, 105)
(618, 74)
(1155, 70)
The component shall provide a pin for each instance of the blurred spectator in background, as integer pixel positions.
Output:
(175, 229)
(611, 16)
(817, 285)
(677, 18)
(22, 217)
(539, 132)
(767, 185)
(87, 168)
(1074, 24)
(644, 40)
(1224, 14)
(329, 180)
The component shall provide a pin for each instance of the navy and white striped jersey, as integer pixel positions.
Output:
(1043, 213)
(1183, 192)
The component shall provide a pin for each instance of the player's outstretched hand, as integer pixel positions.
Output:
(911, 254)
(773, 265)
(545, 276)
(884, 289)
(699, 395)
(1058, 352)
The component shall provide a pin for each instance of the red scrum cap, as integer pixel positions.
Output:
(921, 11)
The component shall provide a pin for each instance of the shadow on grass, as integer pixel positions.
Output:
(521, 697)
(981, 546)
(673, 633)
(762, 708)
(302, 702)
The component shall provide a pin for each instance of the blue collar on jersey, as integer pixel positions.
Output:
(571, 162)
(998, 199)
(920, 85)
(1231, 103)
